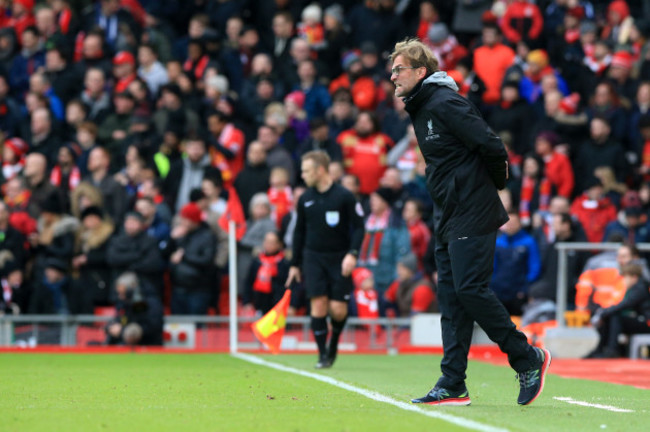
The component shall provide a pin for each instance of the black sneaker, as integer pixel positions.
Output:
(324, 362)
(531, 382)
(442, 396)
(331, 354)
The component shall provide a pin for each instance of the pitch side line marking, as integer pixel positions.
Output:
(470, 424)
(590, 405)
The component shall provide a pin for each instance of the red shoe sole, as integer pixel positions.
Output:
(450, 402)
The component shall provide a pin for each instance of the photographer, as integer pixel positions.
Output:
(138, 315)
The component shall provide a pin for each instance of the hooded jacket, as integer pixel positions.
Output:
(466, 160)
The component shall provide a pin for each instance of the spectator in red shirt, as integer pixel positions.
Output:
(557, 165)
(226, 146)
(418, 231)
(594, 210)
(364, 151)
(410, 294)
(491, 60)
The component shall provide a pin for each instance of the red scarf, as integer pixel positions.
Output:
(199, 66)
(375, 227)
(527, 192)
(267, 271)
(645, 159)
(281, 200)
(73, 180)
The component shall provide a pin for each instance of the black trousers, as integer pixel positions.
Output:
(617, 324)
(464, 272)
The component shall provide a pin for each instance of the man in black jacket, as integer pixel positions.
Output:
(193, 272)
(134, 250)
(466, 163)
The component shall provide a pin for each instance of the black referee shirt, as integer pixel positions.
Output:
(327, 222)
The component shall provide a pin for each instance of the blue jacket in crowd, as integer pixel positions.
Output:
(517, 263)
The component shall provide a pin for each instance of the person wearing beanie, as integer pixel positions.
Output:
(410, 294)
(619, 74)
(444, 45)
(192, 250)
(92, 286)
(539, 67)
(361, 86)
(13, 157)
(466, 164)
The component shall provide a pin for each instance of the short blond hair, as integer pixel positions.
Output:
(416, 53)
(318, 157)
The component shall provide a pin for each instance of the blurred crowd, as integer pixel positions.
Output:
(135, 130)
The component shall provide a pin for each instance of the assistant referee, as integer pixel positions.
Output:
(326, 241)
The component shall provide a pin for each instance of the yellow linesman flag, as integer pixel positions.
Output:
(270, 328)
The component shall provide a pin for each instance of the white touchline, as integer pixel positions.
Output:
(587, 404)
(470, 424)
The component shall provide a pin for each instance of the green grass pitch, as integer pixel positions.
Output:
(216, 392)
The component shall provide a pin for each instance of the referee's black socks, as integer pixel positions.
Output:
(337, 329)
(319, 327)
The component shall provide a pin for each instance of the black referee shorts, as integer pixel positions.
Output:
(322, 275)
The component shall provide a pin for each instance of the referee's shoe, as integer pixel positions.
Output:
(324, 362)
(531, 382)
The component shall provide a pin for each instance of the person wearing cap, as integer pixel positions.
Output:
(411, 293)
(620, 74)
(123, 70)
(326, 242)
(466, 163)
(192, 249)
(134, 250)
(593, 209)
(385, 241)
(93, 281)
